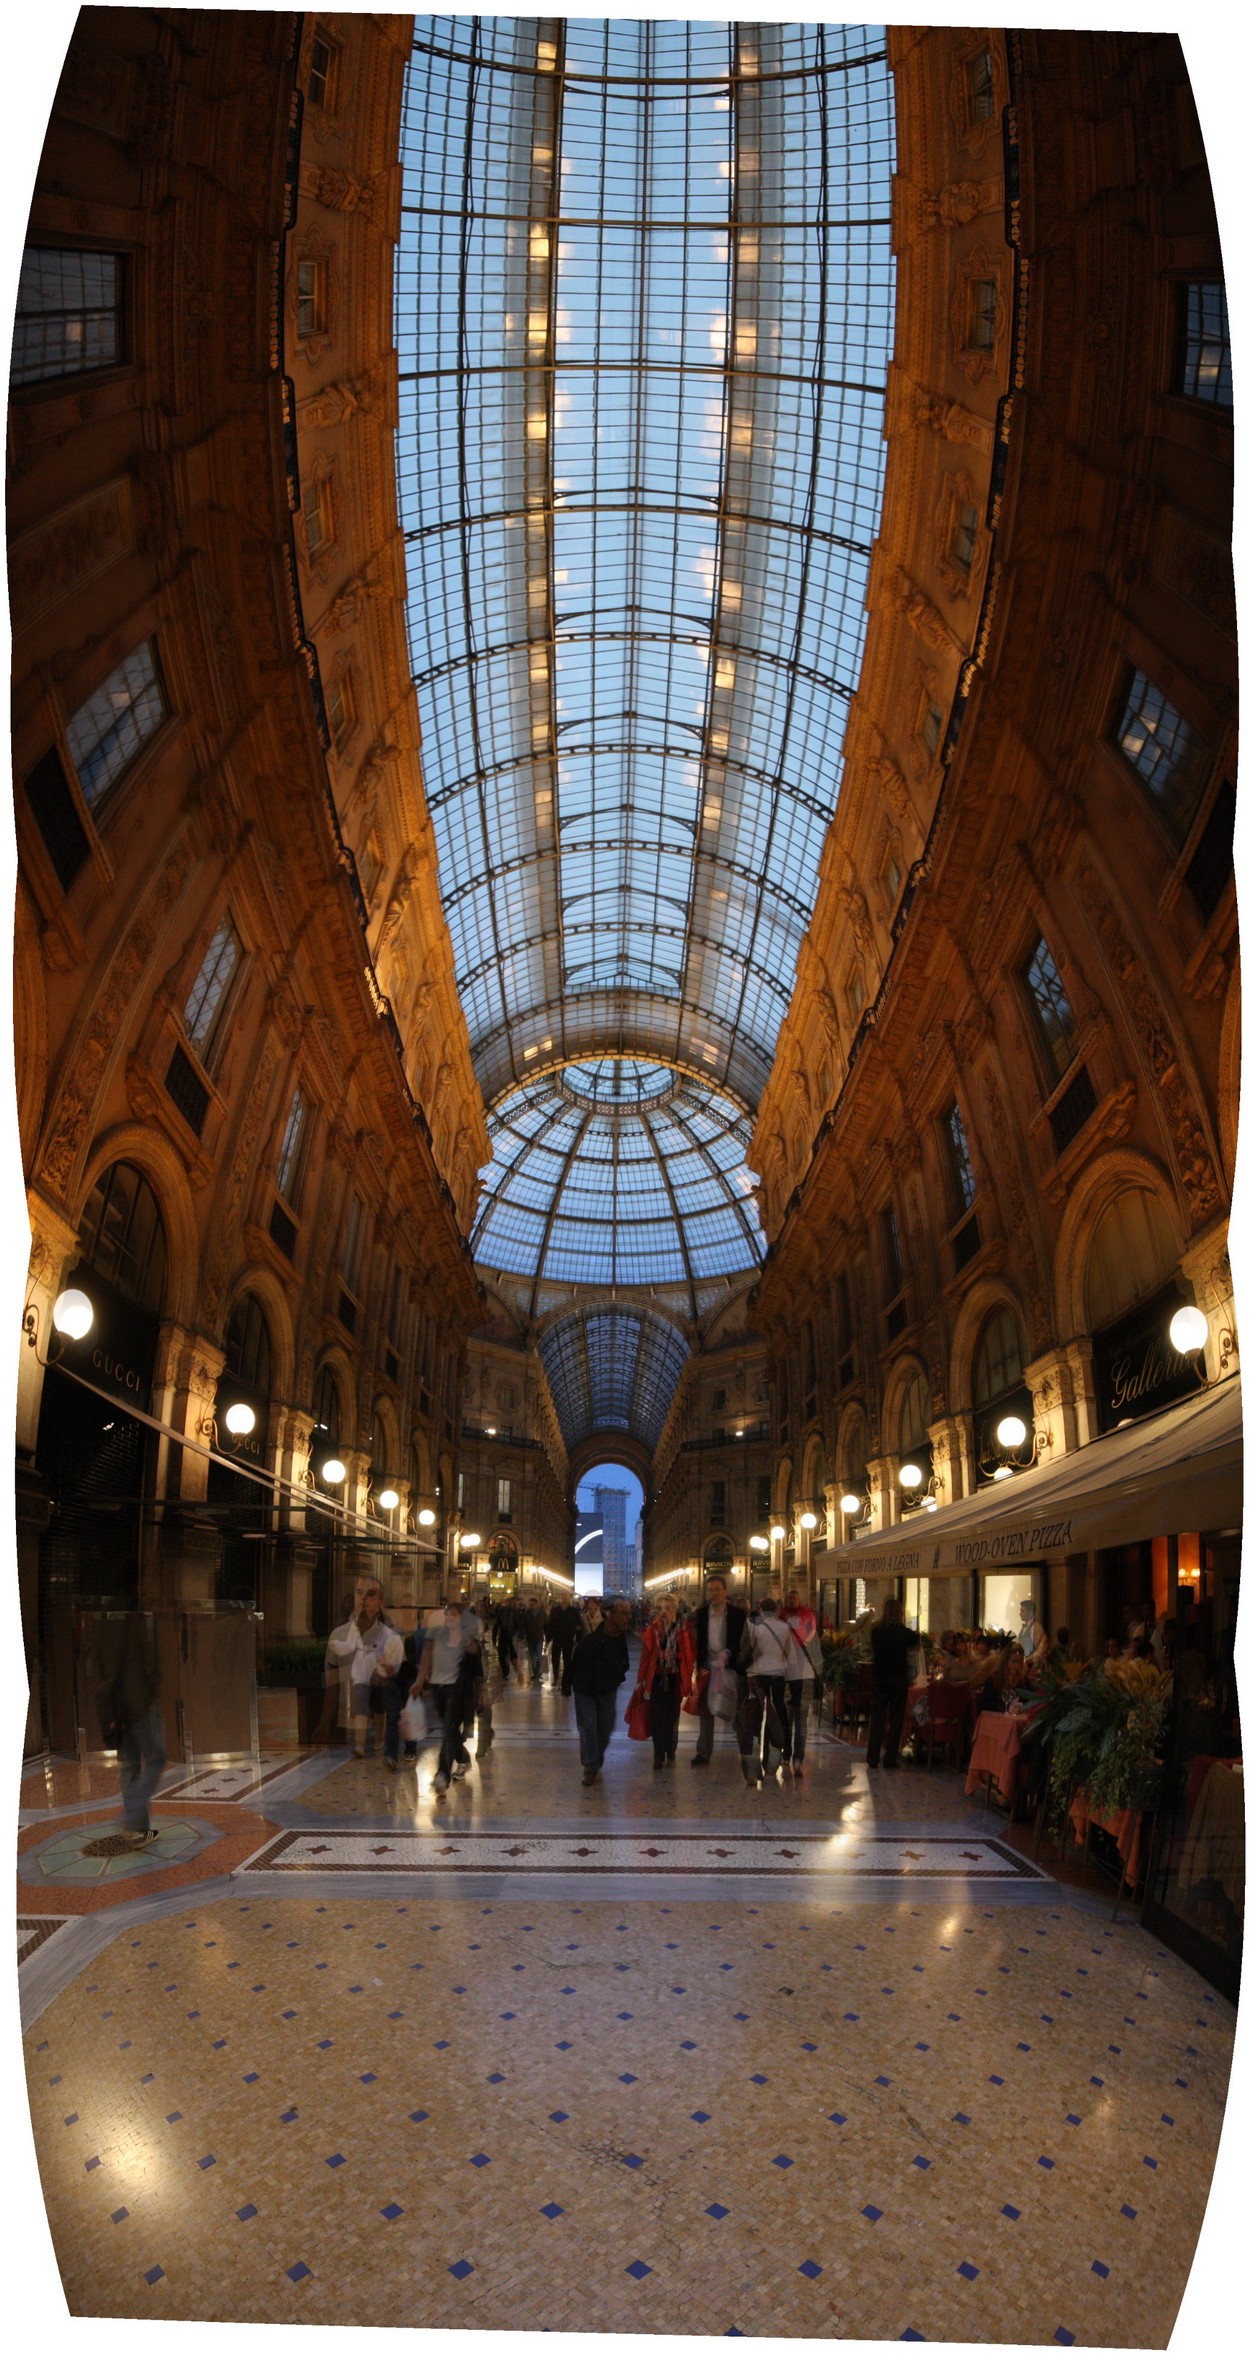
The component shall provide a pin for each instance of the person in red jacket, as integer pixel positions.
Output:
(666, 1676)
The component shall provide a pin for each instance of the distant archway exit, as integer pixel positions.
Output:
(607, 1554)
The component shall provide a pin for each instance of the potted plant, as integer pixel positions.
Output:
(839, 1670)
(296, 1665)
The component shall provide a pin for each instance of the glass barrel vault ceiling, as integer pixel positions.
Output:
(612, 1370)
(644, 306)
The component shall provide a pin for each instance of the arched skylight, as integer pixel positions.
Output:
(612, 1369)
(615, 1172)
(644, 308)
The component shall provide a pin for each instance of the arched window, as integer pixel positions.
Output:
(999, 1391)
(327, 1413)
(123, 1236)
(249, 1356)
(913, 1416)
(998, 1365)
(1133, 1252)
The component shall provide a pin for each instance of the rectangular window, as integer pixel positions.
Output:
(353, 1236)
(892, 880)
(891, 1256)
(107, 730)
(1210, 870)
(319, 531)
(966, 1244)
(979, 78)
(68, 314)
(283, 1230)
(187, 1091)
(1160, 745)
(290, 1158)
(51, 798)
(323, 59)
(459, 1492)
(960, 1159)
(982, 314)
(206, 1004)
(963, 540)
(1205, 363)
(719, 1398)
(396, 1300)
(1053, 1016)
(1073, 1108)
(310, 290)
(503, 1498)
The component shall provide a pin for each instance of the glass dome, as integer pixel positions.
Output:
(618, 1171)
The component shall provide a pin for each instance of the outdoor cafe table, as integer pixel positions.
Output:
(996, 1751)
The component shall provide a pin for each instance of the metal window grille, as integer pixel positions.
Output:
(983, 314)
(963, 542)
(1161, 746)
(291, 1150)
(211, 986)
(56, 815)
(1053, 1016)
(979, 75)
(1206, 372)
(187, 1090)
(960, 1158)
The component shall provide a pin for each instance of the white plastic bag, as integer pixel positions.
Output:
(413, 1719)
(723, 1694)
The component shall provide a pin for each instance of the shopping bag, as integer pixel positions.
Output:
(749, 1717)
(694, 1697)
(723, 1694)
(413, 1719)
(638, 1716)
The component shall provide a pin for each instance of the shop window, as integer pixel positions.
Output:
(1159, 744)
(108, 730)
(1204, 366)
(503, 1500)
(69, 314)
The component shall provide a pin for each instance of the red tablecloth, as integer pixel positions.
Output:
(1124, 1827)
(996, 1751)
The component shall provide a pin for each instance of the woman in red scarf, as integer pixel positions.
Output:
(666, 1676)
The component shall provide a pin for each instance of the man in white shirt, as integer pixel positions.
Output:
(772, 1666)
(367, 1651)
(450, 1670)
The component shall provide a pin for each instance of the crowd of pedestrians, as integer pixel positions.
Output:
(754, 1670)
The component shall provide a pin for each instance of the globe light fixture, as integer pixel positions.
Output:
(73, 1315)
(467, 1540)
(910, 1477)
(334, 1471)
(1187, 1331)
(427, 1517)
(777, 1533)
(807, 1521)
(850, 1503)
(929, 1504)
(240, 1419)
(1011, 1432)
(758, 1545)
(1003, 1471)
(490, 1430)
(389, 1499)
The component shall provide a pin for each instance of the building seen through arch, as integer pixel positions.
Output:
(624, 685)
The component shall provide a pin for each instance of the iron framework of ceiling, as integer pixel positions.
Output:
(612, 1369)
(644, 307)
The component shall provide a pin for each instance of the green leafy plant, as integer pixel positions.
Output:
(839, 1663)
(293, 1660)
(1102, 1729)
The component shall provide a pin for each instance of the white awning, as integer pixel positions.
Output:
(1179, 1469)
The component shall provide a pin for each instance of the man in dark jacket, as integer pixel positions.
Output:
(562, 1625)
(503, 1631)
(719, 1627)
(891, 1644)
(600, 1667)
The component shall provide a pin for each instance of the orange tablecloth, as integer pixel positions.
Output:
(1125, 1830)
(996, 1750)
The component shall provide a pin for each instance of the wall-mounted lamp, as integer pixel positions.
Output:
(777, 1533)
(426, 1518)
(334, 1472)
(1189, 1333)
(1011, 1435)
(809, 1521)
(388, 1499)
(72, 1318)
(468, 1540)
(240, 1419)
(758, 1545)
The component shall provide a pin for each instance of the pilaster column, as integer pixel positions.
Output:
(883, 1489)
(951, 1441)
(53, 1251)
(1056, 1420)
(1205, 1266)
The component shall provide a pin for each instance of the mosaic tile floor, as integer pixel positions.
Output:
(939, 2097)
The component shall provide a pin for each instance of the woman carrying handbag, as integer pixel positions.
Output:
(665, 1677)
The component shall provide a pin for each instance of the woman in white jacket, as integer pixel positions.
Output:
(770, 1659)
(368, 1651)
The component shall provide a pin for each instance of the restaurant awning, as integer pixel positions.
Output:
(1180, 1469)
